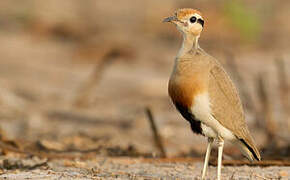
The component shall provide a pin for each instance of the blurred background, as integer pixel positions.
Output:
(85, 76)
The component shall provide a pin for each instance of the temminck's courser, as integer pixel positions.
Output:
(204, 94)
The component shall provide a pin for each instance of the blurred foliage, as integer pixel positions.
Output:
(242, 18)
(16, 13)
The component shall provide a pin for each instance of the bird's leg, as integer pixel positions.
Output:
(205, 165)
(220, 144)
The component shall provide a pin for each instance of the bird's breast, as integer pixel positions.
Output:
(184, 91)
(182, 88)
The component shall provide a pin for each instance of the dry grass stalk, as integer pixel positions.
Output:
(157, 138)
(85, 91)
(104, 58)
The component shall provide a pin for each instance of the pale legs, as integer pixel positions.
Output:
(220, 143)
(205, 165)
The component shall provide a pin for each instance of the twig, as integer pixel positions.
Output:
(109, 55)
(85, 90)
(154, 129)
(232, 176)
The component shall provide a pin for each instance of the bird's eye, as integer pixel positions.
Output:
(200, 21)
(192, 19)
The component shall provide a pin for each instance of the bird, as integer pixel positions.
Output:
(204, 93)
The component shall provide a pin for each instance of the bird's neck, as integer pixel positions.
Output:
(190, 43)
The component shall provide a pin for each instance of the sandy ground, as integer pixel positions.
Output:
(139, 168)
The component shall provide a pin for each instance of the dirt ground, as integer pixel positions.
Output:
(77, 77)
(134, 168)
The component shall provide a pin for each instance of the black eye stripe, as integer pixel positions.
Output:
(200, 21)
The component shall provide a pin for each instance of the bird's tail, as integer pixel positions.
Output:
(248, 150)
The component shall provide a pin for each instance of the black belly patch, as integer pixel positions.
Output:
(195, 124)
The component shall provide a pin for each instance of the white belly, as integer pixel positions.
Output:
(210, 126)
(208, 131)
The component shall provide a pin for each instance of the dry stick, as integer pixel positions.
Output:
(85, 91)
(154, 129)
(267, 110)
(232, 176)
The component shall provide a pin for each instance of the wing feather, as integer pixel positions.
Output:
(226, 105)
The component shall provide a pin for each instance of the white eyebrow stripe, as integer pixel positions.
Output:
(197, 16)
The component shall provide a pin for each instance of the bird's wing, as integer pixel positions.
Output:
(226, 105)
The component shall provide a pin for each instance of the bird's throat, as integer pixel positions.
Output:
(190, 43)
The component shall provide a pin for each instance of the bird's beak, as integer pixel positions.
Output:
(170, 19)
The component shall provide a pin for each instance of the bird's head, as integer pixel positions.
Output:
(188, 21)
